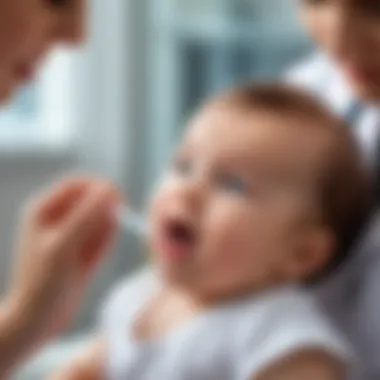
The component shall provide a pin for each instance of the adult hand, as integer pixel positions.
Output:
(64, 235)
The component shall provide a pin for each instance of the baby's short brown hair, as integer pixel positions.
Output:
(346, 191)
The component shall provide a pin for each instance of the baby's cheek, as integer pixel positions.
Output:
(240, 240)
(228, 242)
(232, 226)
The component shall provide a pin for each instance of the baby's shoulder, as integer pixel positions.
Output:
(287, 320)
(280, 324)
(283, 309)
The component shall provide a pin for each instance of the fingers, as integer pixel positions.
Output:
(91, 211)
(79, 211)
(57, 202)
(57, 199)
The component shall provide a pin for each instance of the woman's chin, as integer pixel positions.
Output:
(7, 92)
(367, 89)
(368, 93)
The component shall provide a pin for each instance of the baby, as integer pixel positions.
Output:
(265, 196)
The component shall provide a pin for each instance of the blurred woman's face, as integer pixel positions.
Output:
(349, 31)
(28, 31)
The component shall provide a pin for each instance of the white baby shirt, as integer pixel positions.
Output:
(232, 342)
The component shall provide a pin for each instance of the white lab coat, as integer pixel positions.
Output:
(352, 295)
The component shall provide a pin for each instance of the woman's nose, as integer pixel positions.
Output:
(70, 27)
(344, 35)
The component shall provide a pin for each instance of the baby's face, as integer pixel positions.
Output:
(236, 207)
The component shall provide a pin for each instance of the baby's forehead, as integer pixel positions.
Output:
(280, 143)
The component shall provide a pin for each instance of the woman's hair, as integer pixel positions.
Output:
(346, 189)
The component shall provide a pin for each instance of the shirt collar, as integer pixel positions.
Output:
(339, 94)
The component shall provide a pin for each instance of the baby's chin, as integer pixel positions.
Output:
(176, 274)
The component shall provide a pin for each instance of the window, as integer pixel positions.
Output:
(199, 47)
(42, 114)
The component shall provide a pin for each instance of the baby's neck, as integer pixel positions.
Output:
(165, 311)
(198, 300)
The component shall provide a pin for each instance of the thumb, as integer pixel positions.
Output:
(95, 249)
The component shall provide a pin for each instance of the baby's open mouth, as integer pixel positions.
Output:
(181, 232)
(179, 238)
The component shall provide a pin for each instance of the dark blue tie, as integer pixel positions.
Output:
(353, 114)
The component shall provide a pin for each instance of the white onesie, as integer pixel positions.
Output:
(233, 342)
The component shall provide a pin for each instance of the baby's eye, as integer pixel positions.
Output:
(233, 184)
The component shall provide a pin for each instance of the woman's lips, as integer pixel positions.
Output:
(24, 72)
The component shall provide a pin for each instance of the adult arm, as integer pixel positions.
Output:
(87, 366)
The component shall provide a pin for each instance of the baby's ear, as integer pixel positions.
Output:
(313, 252)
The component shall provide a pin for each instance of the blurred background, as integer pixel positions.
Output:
(117, 107)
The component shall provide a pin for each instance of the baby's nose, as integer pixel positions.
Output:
(193, 195)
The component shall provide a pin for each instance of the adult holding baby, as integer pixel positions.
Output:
(346, 74)
(65, 231)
